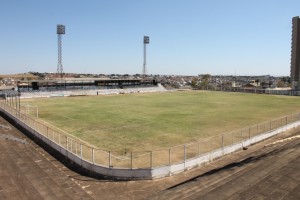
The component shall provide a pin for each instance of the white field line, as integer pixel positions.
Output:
(67, 117)
(128, 156)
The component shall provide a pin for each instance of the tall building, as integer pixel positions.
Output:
(295, 54)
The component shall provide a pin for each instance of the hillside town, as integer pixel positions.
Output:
(201, 81)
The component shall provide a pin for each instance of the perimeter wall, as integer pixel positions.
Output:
(146, 164)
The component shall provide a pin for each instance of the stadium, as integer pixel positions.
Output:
(133, 129)
(137, 137)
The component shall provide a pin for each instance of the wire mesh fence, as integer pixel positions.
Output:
(143, 159)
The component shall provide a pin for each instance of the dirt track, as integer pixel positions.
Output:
(27, 171)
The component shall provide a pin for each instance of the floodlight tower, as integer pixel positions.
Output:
(146, 41)
(60, 31)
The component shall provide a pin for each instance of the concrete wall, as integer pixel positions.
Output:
(153, 173)
(204, 158)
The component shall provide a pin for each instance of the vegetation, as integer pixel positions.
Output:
(149, 121)
(204, 81)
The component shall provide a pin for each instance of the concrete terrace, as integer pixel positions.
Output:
(267, 170)
(28, 172)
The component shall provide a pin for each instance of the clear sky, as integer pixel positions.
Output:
(187, 37)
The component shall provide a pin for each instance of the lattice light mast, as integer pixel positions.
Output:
(60, 32)
(146, 41)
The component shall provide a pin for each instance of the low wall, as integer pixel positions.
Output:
(148, 173)
(109, 172)
(205, 158)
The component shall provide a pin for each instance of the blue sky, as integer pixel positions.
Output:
(187, 37)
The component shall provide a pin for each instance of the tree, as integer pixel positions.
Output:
(286, 79)
(194, 83)
(204, 81)
(280, 83)
(270, 83)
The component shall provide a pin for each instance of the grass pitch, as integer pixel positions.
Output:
(150, 121)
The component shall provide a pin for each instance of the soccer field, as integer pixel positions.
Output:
(151, 121)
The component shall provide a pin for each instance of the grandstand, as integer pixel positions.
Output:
(80, 87)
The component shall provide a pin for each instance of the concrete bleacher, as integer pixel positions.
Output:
(29, 172)
(90, 91)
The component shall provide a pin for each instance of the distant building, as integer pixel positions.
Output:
(295, 54)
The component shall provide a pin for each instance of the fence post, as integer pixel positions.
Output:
(47, 132)
(184, 150)
(222, 141)
(249, 132)
(93, 155)
(76, 148)
(131, 160)
(169, 156)
(198, 148)
(67, 143)
(71, 145)
(80, 150)
(16, 99)
(109, 159)
(151, 160)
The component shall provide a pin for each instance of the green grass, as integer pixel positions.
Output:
(151, 121)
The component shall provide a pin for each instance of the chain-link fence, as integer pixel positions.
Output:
(142, 159)
(255, 90)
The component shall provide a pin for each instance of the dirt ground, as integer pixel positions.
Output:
(268, 170)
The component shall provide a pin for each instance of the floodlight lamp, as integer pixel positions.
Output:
(60, 29)
(146, 39)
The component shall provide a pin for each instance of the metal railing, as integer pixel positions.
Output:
(257, 91)
(144, 159)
